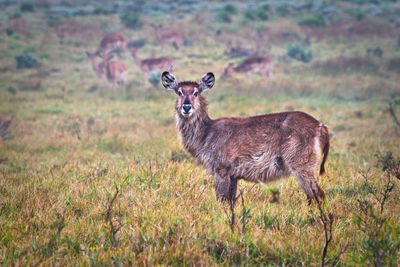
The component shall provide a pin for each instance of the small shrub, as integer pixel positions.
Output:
(377, 51)
(101, 11)
(394, 65)
(26, 61)
(27, 7)
(298, 53)
(313, 21)
(259, 14)
(262, 15)
(229, 8)
(12, 90)
(131, 20)
(45, 4)
(265, 7)
(52, 21)
(139, 43)
(9, 32)
(283, 10)
(398, 41)
(356, 13)
(250, 14)
(224, 16)
(155, 79)
(16, 15)
(30, 49)
(381, 242)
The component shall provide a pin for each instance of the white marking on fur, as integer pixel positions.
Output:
(317, 146)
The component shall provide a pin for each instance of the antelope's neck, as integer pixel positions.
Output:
(137, 59)
(193, 131)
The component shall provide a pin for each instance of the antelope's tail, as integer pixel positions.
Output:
(324, 141)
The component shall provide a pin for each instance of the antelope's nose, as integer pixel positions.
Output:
(186, 108)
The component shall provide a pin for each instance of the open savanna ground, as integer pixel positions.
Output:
(95, 175)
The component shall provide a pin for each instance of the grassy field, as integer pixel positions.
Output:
(69, 143)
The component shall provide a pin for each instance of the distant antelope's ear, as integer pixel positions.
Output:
(207, 82)
(108, 57)
(169, 81)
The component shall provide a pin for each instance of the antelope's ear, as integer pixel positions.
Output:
(207, 82)
(169, 81)
(108, 57)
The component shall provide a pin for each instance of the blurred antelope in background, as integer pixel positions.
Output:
(150, 65)
(114, 42)
(114, 71)
(263, 65)
(260, 148)
(173, 37)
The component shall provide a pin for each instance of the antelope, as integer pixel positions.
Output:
(149, 65)
(114, 42)
(260, 148)
(263, 65)
(173, 37)
(114, 71)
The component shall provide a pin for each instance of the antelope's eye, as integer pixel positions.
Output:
(179, 93)
(195, 93)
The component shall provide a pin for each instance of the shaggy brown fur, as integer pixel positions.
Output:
(260, 148)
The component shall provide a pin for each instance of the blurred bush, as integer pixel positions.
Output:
(131, 20)
(52, 20)
(101, 11)
(139, 43)
(229, 8)
(9, 32)
(377, 51)
(224, 14)
(265, 7)
(16, 15)
(298, 53)
(283, 10)
(26, 61)
(259, 14)
(155, 78)
(27, 6)
(356, 13)
(224, 17)
(394, 64)
(313, 21)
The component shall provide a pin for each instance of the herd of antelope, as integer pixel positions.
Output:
(260, 148)
(116, 72)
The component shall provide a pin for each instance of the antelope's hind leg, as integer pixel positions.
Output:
(225, 187)
(307, 180)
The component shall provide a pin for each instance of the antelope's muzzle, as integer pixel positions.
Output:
(187, 110)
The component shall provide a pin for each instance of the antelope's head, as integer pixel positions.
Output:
(228, 71)
(99, 68)
(189, 101)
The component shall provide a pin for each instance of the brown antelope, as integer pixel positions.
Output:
(149, 65)
(173, 37)
(263, 65)
(114, 71)
(261, 148)
(114, 42)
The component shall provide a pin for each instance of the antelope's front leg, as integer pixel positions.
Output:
(225, 187)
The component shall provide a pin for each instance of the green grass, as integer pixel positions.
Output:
(73, 139)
